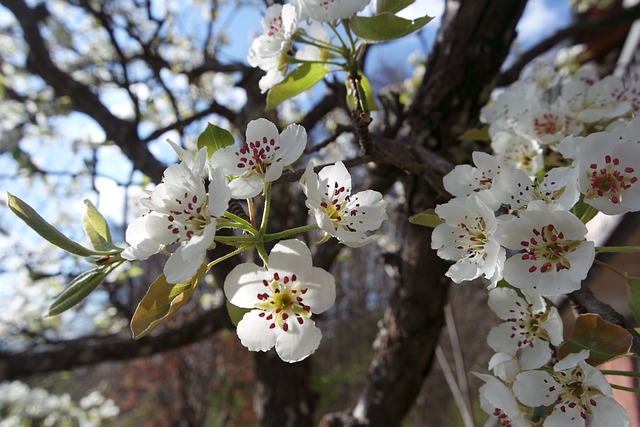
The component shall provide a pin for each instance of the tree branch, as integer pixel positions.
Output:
(70, 354)
(121, 132)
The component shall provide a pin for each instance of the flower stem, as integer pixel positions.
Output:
(291, 232)
(621, 373)
(227, 256)
(618, 249)
(267, 208)
(239, 220)
(623, 388)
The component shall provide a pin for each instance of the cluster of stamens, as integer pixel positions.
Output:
(474, 240)
(574, 393)
(548, 124)
(610, 181)
(548, 244)
(335, 205)
(503, 418)
(190, 219)
(258, 155)
(527, 325)
(282, 301)
(275, 26)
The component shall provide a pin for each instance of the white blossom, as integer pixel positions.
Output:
(579, 393)
(339, 213)
(330, 10)
(529, 327)
(555, 256)
(467, 237)
(261, 158)
(180, 211)
(282, 297)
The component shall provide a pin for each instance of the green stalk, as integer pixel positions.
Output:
(267, 208)
(227, 256)
(618, 249)
(621, 373)
(623, 388)
(291, 232)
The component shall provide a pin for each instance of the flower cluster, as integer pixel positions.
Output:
(299, 21)
(279, 297)
(518, 219)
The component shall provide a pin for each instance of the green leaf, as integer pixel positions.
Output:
(584, 211)
(428, 218)
(392, 6)
(300, 79)
(385, 27)
(605, 341)
(27, 214)
(161, 302)
(633, 294)
(78, 290)
(476, 134)
(236, 313)
(97, 228)
(366, 89)
(214, 138)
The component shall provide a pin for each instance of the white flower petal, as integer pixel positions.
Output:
(254, 332)
(299, 341)
(291, 257)
(244, 283)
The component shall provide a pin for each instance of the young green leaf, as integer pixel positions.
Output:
(428, 218)
(214, 138)
(27, 214)
(161, 302)
(605, 341)
(392, 6)
(584, 211)
(97, 228)
(236, 313)
(78, 290)
(633, 294)
(385, 27)
(366, 92)
(300, 79)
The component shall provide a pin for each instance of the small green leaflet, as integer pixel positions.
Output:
(97, 228)
(27, 214)
(78, 290)
(300, 79)
(214, 138)
(236, 313)
(161, 302)
(633, 294)
(385, 27)
(366, 90)
(428, 218)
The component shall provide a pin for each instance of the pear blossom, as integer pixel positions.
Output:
(559, 185)
(465, 180)
(498, 400)
(579, 393)
(592, 101)
(268, 51)
(528, 328)
(608, 166)
(548, 124)
(262, 158)
(330, 10)
(555, 256)
(282, 297)
(467, 237)
(518, 152)
(339, 213)
(180, 211)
